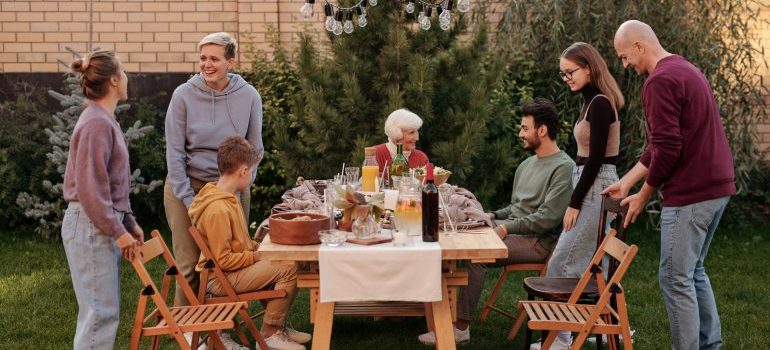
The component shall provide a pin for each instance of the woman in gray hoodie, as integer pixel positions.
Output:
(211, 106)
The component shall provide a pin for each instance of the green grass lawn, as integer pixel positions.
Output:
(38, 307)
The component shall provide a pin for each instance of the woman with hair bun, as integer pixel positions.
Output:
(98, 226)
(402, 127)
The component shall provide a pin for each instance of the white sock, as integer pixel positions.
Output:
(564, 337)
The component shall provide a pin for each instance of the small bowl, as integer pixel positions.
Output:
(437, 179)
(332, 238)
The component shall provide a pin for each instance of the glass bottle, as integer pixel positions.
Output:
(364, 225)
(429, 207)
(369, 171)
(400, 166)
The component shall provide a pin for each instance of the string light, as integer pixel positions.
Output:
(335, 18)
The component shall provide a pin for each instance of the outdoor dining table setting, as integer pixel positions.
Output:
(378, 264)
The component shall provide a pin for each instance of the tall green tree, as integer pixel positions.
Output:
(447, 77)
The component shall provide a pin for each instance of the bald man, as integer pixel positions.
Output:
(689, 161)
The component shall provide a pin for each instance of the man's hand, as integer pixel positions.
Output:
(138, 234)
(501, 231)
(636, 203)
(128, 246)
(570, 218)
(618, 190)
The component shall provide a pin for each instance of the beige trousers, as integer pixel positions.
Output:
(186, 252)
(262, 275)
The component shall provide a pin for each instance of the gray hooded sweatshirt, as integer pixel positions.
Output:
(199, 118)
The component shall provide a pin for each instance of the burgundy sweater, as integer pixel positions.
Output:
(688, 157)
(416, 158)
(98, 174)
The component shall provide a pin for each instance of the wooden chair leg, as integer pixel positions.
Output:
(519, 322)
(155, 343)
(215, 340)
(493, 297)
(429, 317)
(546, 344)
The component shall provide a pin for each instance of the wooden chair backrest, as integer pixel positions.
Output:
(212, 264)
(151, 249)
(618, 250)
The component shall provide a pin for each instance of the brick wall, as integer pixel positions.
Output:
(150, 36)
(763, 36)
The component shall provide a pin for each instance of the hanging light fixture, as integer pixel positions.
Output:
(306, 12)
(329, 23)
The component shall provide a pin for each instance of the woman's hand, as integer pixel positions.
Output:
(128, 246)
(570, 218)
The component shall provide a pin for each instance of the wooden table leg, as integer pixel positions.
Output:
(322, 331)
(442, 317)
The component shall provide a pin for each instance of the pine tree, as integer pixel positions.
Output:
(447, 77)
(49, 211)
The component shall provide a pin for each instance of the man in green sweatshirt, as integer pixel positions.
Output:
(531, 224)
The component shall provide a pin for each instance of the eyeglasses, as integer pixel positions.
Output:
(568, 74)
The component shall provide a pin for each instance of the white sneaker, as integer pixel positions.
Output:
(230, 344)
(188, 337)
(592, 339)
(461, 337)
(280, 341)
(297, 336)
(557, 345)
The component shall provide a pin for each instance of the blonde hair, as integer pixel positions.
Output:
(584, 55)
(398, 120)
(222, 39)
(95, 71)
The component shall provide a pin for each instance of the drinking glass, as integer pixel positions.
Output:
(351, 177)
(444, 196)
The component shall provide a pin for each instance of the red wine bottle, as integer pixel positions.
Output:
(429, 207)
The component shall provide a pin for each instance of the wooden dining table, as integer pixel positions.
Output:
(479, 245)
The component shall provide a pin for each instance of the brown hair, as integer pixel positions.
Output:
(95, 71)
(586, 55)
(235, 152)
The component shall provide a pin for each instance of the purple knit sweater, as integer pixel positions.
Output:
(98, 175)
(688, 156)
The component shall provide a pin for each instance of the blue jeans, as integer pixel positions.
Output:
(686, 233)
(94, 262)
(577, 246)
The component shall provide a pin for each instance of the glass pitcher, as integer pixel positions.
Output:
(409, 211)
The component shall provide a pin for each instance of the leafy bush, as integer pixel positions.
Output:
(22, 160)
(276, 80)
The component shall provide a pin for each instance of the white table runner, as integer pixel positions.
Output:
(381, 272)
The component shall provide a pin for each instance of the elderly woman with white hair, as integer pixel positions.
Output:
(402, 127)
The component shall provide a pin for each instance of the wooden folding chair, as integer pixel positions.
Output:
(175, 321)
(560, 289)
(212, 266)
(540, 268)
(585, 319)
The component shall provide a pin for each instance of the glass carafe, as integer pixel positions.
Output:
(409, 211)
(364, 225)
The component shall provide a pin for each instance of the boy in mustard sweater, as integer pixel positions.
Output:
(216, 212)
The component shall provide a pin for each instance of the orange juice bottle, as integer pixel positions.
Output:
(369, 170)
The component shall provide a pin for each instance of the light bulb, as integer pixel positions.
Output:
(373, 2)
(425, 23)
(306, 11)
(420, 17)
(362, 21)
(463, 5)
(329, 24)
(443, 25)
(348, 27)
(410, 7)
(337, 28)
(445, 16)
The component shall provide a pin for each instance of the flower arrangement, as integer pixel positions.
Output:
(348, 199)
